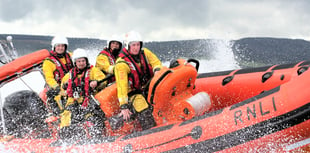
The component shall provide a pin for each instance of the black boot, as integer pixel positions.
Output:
(146, 119)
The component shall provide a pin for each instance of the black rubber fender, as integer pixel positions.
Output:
(24, 112)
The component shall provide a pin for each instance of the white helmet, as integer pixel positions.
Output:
(132, 36)
(79, 53)
(59, 40)
(117, 39)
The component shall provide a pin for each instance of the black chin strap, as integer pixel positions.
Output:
(115, 52)
(61, 55)
(136, 58)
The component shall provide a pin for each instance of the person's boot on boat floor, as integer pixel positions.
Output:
(138, 107)
(146, 119)
(143, 111)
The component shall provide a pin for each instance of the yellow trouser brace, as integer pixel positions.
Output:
(65, 119)
(58, 101)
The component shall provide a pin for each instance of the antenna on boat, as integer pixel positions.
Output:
(8, 51)
(3, 53)
(13, 52)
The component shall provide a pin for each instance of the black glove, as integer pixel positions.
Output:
(53, 92)
(116, 121)
(124, 106)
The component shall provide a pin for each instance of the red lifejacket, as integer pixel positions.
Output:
(79, 85)
(109, 54)
(112, 60)
(139, 75)
(61, 68)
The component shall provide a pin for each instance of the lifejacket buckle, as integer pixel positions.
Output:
(76, 95)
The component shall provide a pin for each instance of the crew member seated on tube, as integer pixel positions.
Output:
(82, 81)
(107, 57)
(133, 70)
(54, 69)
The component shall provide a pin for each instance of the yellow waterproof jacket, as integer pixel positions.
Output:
(95, 74)
(122, 70)
(49, 67)
(105, 63)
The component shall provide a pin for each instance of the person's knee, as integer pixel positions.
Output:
(139, 103)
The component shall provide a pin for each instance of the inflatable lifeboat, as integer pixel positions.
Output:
(247, 110)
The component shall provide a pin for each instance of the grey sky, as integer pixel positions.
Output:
(159, 20)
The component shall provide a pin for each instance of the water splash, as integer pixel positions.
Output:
(222, 57)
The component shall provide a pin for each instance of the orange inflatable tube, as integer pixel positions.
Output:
(22, 64)
(230, 87)
(108, 100)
